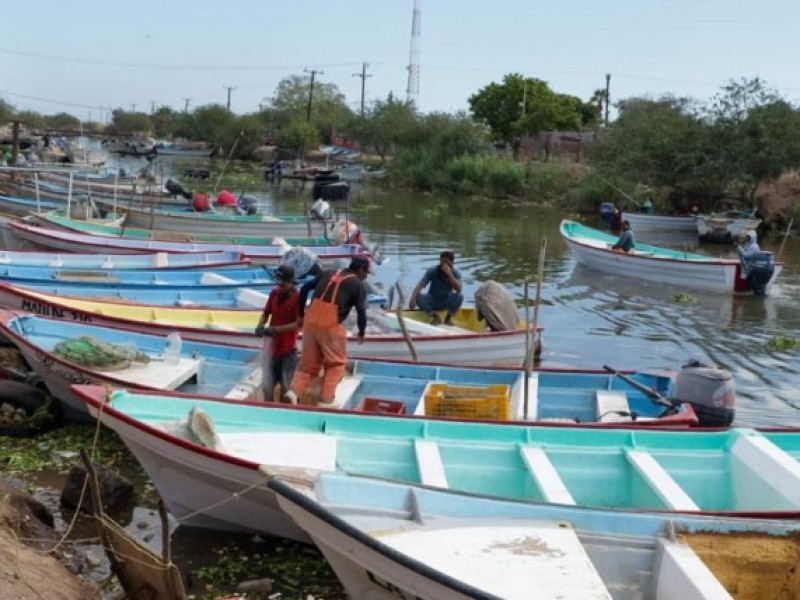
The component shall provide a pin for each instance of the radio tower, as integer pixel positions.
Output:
(412, 91)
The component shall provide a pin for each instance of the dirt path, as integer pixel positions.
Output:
(27, 571)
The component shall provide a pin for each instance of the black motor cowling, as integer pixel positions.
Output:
(761, 268)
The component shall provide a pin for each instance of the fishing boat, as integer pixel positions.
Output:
(159, 260)
(188, 221)
(183, 151)
(663, 265)
(467, 341)
(390, 540)
(69, 241)
(724, 228)
(220, 228)
(735, 472)
(148, 279)
(64, 353)
(665, 223)
(238, 298)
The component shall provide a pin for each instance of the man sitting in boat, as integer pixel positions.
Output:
(444, 292)
(626, 241)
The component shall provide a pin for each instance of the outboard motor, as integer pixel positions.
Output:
(321, 210)
(606, 212)
(302, 260)
(710, 391)
(761, 267)
(175, 189)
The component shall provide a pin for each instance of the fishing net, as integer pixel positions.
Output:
(90, 352)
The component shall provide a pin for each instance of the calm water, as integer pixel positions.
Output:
(590, 318)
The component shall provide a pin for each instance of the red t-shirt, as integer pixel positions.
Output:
(283, 312)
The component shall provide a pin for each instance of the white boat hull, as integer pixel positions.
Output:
(723, 228)
(672, 224)
(204, 489)
(713, 275)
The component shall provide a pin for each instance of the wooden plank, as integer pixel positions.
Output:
(545, 475)
(158, 374)
(662, 482)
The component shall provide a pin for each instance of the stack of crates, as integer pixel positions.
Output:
(489, 402)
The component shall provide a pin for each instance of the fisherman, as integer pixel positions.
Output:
(324, 335)
(281, 311)
(626, 241)
(444, 292)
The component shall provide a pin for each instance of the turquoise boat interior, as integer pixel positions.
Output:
(736, 470)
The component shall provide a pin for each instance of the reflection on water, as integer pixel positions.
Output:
(590, 318)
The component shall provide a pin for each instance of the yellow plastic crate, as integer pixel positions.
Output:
(490, 402)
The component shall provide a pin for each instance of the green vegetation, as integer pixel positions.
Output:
(56, 450)
(783, 343)
(678, 149)
(684, 299)
(297, 570)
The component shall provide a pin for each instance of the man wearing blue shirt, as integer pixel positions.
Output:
(626, 241)
(444, 292)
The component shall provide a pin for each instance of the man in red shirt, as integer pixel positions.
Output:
(281, 311)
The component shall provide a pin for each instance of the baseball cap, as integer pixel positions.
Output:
(360, 262)
(284, 273)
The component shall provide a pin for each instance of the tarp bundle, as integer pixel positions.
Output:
(90, 352)
(497, 306)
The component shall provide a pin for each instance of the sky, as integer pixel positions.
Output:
(84, 56)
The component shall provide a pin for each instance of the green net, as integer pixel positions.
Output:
(90, 352)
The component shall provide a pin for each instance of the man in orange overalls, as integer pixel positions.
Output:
(324, 336)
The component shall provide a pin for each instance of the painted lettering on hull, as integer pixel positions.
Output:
(43, 309)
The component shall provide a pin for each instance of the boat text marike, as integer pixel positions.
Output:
(47, 310)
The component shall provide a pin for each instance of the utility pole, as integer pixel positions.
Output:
(608, 95)
(133, 108)
(363, 76)
(186, 104)
(311, 91)
(229, 88)
(152, 107)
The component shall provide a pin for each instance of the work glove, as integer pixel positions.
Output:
(270, 331)
(260, 330)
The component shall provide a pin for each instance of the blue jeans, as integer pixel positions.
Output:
(451, 303)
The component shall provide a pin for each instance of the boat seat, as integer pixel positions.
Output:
(545, 475)
(283, 448)
(771, 464)
(158, 374)
(345, 390)
(160, 259)
(660, 481)
(429, 463)
(609, 403)
(682, 574)
(212, 278)
(247, 298)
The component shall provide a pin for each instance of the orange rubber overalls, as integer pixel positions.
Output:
(324, 343)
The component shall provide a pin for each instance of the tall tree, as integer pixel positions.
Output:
(384, 124)
(524, 106)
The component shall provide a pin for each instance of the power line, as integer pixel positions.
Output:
(162, 66)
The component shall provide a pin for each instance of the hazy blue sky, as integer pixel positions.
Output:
(69, 55)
